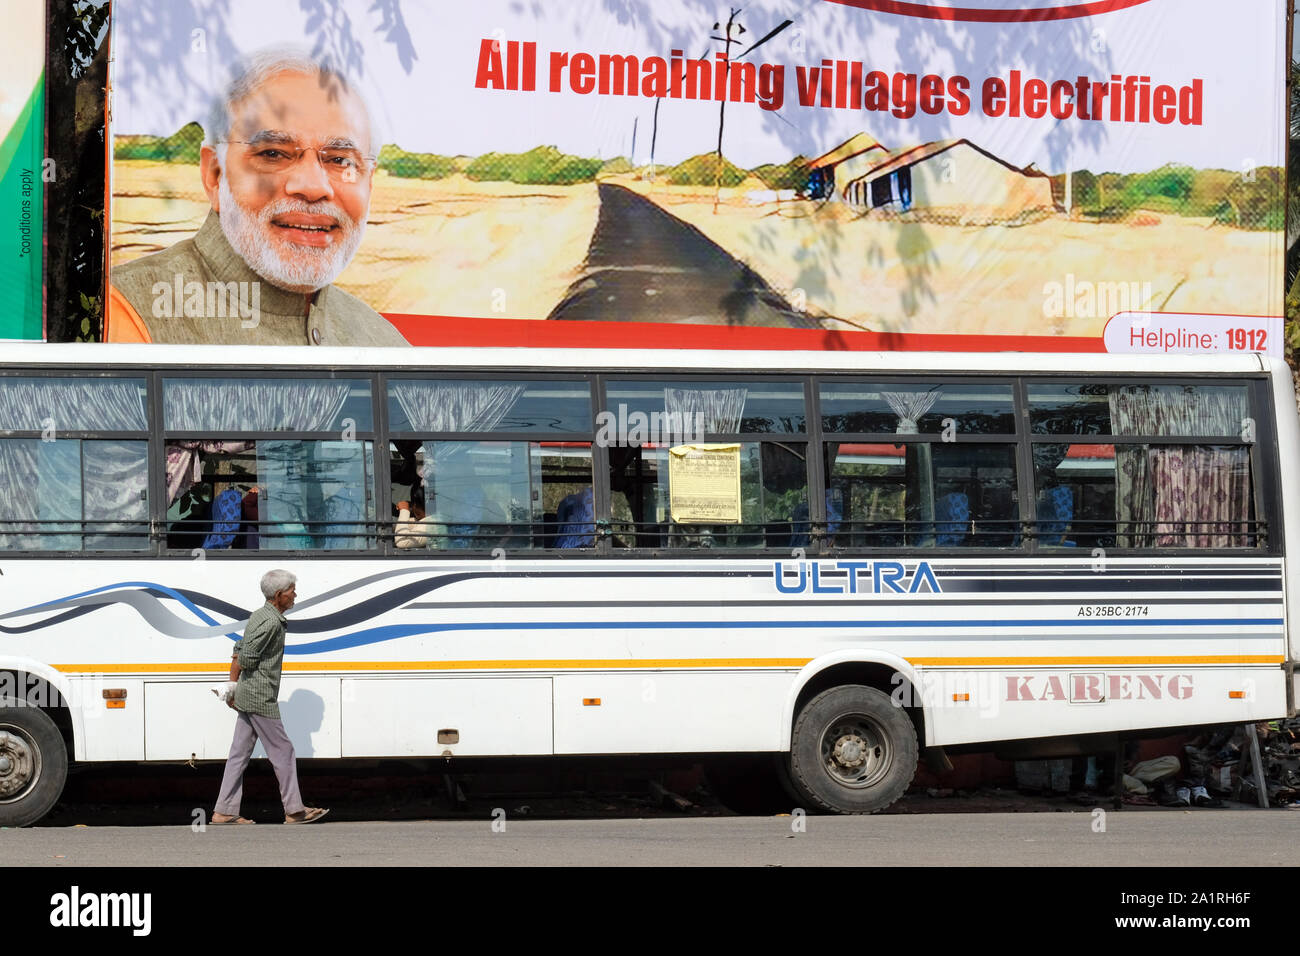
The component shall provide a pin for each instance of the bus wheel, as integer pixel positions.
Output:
(853, 750)
(33, 764)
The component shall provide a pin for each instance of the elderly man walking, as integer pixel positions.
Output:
(253, 691)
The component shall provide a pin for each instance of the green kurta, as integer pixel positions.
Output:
(261, 654)
(328, 316)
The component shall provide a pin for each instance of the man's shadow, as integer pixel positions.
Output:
(302, 714)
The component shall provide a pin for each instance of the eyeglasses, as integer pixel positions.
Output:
(341, 165)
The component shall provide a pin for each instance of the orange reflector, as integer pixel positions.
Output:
(114, 693)
(961, 696)
(591, 702)
(1237, 694)
(115, 704)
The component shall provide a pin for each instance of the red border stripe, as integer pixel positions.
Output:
(976, 14)
(458, 331)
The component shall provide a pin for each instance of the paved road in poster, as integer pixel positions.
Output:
(646, 265)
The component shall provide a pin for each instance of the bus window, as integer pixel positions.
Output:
(1144, 496)
(455, 405)
(1097, 408)
(61, 488)
(644, 420)
(671, 411)
(73, 495)
(912, 409)
(773, 499)
(513, 492)
(495, 494)
(1143, 491)
(276, 494)
(924, 494)
(266, 405)
(232, 486)
(66, 404)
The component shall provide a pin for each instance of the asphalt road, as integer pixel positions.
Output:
(646, 265)
(1131, 838)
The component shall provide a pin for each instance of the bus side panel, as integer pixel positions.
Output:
(111, 733)
(659, 712)
(433, 716)
(184, 719)
(968, 706)
(1288, 450)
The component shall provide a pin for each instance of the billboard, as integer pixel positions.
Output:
(22, 146)
(1102, 175)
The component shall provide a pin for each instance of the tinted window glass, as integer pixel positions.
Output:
(69, 495)
(453, 405)
(1144, 496)
(482, 495)
(267, 405)
(772, 490)
(689, 407)
(921, 495)
(912, 409)
(1138, 410)
(271, 494)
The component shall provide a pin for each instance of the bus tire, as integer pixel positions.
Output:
(33, 763)
(852, 750)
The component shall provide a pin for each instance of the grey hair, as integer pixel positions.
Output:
(255, 69)
(273, 582)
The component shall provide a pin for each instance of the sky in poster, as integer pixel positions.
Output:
(418, 62)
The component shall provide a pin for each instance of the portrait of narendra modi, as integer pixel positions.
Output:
(287, 165)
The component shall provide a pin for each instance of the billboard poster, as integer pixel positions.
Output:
(1103, 175)
(22, 146)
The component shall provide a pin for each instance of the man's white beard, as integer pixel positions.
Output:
(309, 268)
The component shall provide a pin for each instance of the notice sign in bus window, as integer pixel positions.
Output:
(704, 483)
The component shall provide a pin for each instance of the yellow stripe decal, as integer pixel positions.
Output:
(295, 666)
(663, 663)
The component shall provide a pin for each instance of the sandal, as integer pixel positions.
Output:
(309, 815)
(231, 822)
(1201, 798)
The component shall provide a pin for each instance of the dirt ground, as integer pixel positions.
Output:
(461, 248)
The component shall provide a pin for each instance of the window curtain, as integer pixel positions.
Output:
(1202, 496)
(718, 409)
(18, 494)
(1156, 484)
(298, 405)
(41, 484)
(115, 477)
(455, 407)
(49, 488)
(99, 404)
(185, 462)
(910, 407)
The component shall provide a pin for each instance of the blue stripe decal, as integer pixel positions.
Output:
(144, 585)
(376, 635)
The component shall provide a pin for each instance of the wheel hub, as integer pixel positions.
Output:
(18, 766)
(850, 751)
(855, 751)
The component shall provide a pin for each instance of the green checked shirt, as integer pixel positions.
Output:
(261, 653)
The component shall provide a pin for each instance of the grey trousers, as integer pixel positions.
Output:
(248, 731)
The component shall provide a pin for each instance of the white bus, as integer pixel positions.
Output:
(828, 561)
